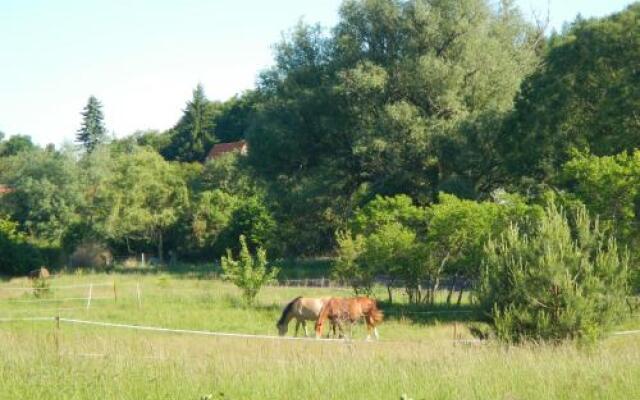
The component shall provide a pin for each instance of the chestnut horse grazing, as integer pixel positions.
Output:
(303, 309)
(338, 310)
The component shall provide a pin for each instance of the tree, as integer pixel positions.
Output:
(48, 192)
(248, 273)
(458, 231)
(251, 219)
(388, 241)
(394, 252)
(230, 173)
(346, 266)
(17, 256)
(193, 135)
(558, 283)
(609, 187)
(143, 199)
(584, 96)
(211, 216)
(16, 144)
(235, 116)
(92, 133)
(362, 111)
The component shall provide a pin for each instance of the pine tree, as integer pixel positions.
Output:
(194, 134)
(92, 132)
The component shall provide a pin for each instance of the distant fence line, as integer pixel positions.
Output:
(455, 284)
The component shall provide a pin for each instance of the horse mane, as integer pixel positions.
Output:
(287, 310)
(327, 307)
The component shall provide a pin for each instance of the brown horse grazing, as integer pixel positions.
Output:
(339, 310)
(303, 309)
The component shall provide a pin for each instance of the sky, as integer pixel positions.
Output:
(142, 58)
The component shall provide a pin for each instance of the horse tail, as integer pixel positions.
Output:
(376, 314)
(287, 310)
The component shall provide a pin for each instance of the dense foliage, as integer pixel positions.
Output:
(584, 96)
(556, 283)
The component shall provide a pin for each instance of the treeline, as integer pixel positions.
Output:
(405, 141)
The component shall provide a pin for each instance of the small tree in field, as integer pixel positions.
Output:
(249, 273)
(347, 267)
(557, 283)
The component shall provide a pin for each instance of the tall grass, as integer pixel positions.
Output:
(416, 357)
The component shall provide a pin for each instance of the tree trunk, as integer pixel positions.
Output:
(436, 286)
(160, 247)
(390, 294)
(460, 297)
(451, 288)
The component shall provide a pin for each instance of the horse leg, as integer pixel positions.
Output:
(304, 325)
(375, 333)
(369, 322)
(341, 334)
(332, 327)
(297, 326)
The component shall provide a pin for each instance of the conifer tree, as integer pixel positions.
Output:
(193, 135)
(92, 132)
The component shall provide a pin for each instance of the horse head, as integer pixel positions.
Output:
(282, 329)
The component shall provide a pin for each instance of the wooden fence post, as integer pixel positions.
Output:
(57, 334)
(115, 293)
(139, 295)
(90, 293)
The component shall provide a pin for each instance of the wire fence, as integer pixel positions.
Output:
(74, 321)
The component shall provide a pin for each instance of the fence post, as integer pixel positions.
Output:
(115, 293)
(90, 293)
(138, 294)
(57, 334)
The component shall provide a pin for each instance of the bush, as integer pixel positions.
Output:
(17, 256)
(346, 267)
(557, 283)
(248, 273)
(91, 255)
(252, 220)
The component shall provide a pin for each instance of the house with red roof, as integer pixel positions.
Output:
(4, 189)
(223, 148)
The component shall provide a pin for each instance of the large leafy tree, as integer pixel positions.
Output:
(194, 134)
(145, 196)
(48, 192)
(235, 116)
(586, 95)
(609, 186)
(17, 256)
(92, 132)
(363, 111)
(16, 144)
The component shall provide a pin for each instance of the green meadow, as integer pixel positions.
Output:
(416, 355)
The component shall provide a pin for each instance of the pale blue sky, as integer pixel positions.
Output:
(142, 58)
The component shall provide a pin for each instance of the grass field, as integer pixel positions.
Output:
(415, 356)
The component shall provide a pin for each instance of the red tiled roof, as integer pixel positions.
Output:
(4, 189)
(222, 148)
